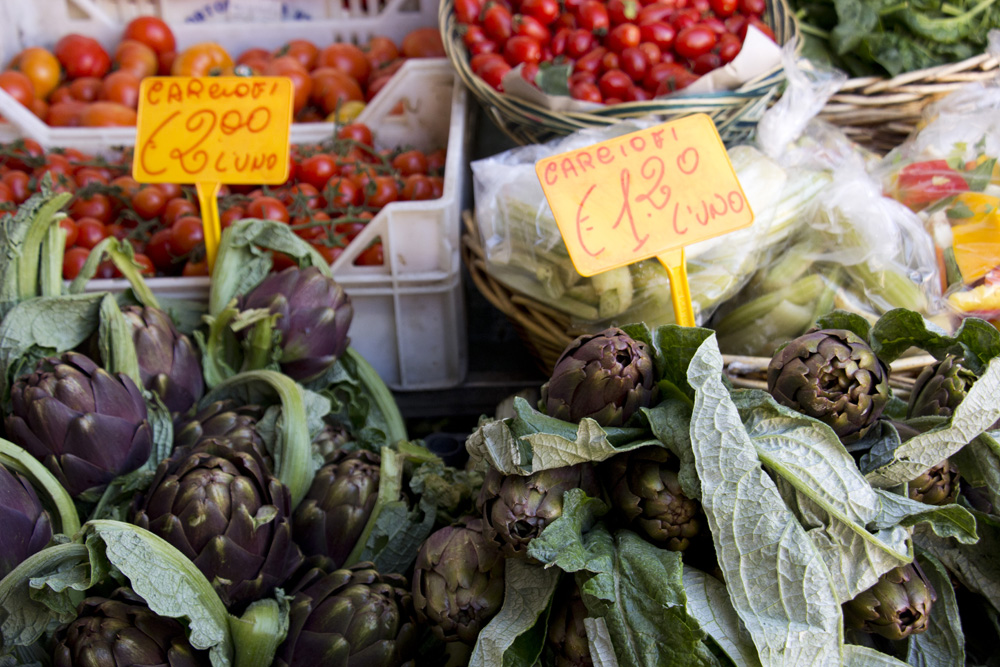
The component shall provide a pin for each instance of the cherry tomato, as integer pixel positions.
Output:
(609, 61)
(410, 162)
(423, 43)
(493, 72)
(586, 91)
(348, 231)
(673, 77)
(634, 63)
(579, 42)
(591, 62)
(128, 185)
(170, 190)
(195, 269)
(121, 87)
(546, 11)
(358, 132)
(335, 88)
(705, 63)
(729, 47)
(188, 234)
(82, 56)
(623, 36)
(371, 256)
(760, 25)
(497, 22)
(204, 59)
(529, 72)
(436, 161)
(417, 187)
(437, 183)
(68, 225)
(685, 19)
(88, 175)
(178, 208)
(41, 67)
(152, 32)
(753, 7)
(660, 34)
(281, 261)
(135, 57)
(615, 83)
(723, 8)
(347, 58)
(652, 52)
(693, 41)
(56, 165)
(329, 253)
(638, 94)
(73, 261)
(380, 51)
(558, 43)
(90, 232)
(304, 195)
(149, 202)
(268, 208)
(620, 11)
(86, 89)
(529, 26)
(66, 114)
(386, 190)
(107, 114)
(18, 182)
(18, 86)
(231, 215)
(467, 11)
(520, 49)
(341, 192)
(302, 50)
(96, 206)
(593, 17)
(160, 249)
(302, 83)
(6, 195)
(146, 267)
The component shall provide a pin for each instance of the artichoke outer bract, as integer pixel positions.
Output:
(169, 364)
(834, 376)
(566, 641)
(606, 376)
(222, 420)
(458, 581)
(121, 631)
(332, 516)
(643, 487)
(315, 314)
(86, 425)
(517, 509)
(27, 527)
(940, 388)
(897, 606)
(937, 486)
(353, 617)
(223, 509)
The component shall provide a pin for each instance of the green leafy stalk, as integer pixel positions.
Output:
(52, 492)
(384, 401)
(943, 643)
(28, 265)
(709, 604)
(89, 268)
(260, 631)
(291, 449)
(123, 256)
(50, 272)
(390, 486)
(116, 342)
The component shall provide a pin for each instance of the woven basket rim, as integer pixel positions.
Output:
(525, 111)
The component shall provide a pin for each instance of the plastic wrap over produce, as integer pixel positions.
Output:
(948, 174)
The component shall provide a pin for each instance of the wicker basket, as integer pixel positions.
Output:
(735, 112)
(880, 113)
(546, 332)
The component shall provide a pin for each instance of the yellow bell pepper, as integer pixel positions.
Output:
(979, 299)
(975, 234)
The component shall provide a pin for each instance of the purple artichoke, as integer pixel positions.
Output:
(168, 361)
(26, 525)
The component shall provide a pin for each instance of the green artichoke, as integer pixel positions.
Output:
(517, 509)
(315, 314)
(332, 438)
(937, 486)
(897, 606)
(566, 641)
(833, 376)
(606, 376)
(642, 485)
(121, 631)
(332, 516)
(27, 527)
(86, 425)
(353, 617)
(222, 508)
(940, 388)
(168, 362)
(458, 581)
(222, 420)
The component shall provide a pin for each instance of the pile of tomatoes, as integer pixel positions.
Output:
(615, 50)
(78, 83)
(333, 190)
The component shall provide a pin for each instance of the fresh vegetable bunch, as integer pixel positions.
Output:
(605, 52)
(78, 83)
(332, 191)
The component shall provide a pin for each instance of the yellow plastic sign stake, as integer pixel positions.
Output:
(646, 194)
(213, 130)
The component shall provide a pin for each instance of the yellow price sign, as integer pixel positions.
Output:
(213, 130)
(646, 194)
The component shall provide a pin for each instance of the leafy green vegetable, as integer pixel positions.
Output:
(710, 605)
(943, 643)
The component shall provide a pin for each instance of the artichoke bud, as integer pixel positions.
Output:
(122, 631)
(834, 376)
(938, 485)
(221, 507)
(458, 581)
(643, 487)
(566, 641)
(332, 438)
(26, 524)
(223, 421)
(516, 508)
(897, 606)
(86, 425)
(314, 316)
(330, 519)
(606, 376)
(169, 364)
(940, 388)
(353, 616)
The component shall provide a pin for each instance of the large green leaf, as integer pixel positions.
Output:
(976, 566)
(862, 656)
(898, 330)
(776, 577)
(943, 643)
(709, 604)
(669, 421)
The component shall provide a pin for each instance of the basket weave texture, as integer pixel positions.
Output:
(880, 113)
(735, 112)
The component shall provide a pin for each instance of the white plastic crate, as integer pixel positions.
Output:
(236, 24)
(409, 313)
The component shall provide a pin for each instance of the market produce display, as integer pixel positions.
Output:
(78, 83)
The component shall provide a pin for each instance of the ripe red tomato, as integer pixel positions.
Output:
(729, 47)
(160, 250)
(423, 43)
(410, 162)
(152, 32)
(385, 191)
(620, 11)
(69, 227)
(673, 77)
(615, 83)
(357, 132)
(95, 206)
(497, 22)
(146, 267)
(231, 215)
(723, 8)
(520, 49)
(107, 114)
(194, 269)
(302, 50)
(304, 195)
(380, 51)
(302, 83)
(19, 183)
(347, 58)
(82, 56)
(591, 62)
(634, 63)
(593, 17)
(529, 26)
(492, 72)
(329, 253)
(268, 208)
(121, 87)
(149, 202)
(188, 234)
(135, 57)
(417, 187)
(317, 170)
(90, 232)
(178, 208)
(546, 11)
(753, 7)
(73, 261)
(371, 256)
(693, 41)
(579, 42)
(467, 11)
(586, 91)
(88, 175)
(623, 36)
(18, 86)
(341, 192)
(705, 63)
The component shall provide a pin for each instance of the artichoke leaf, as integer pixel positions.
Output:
(115, 341)
(943, 643)
(528, 591)
(675, 346)
(979, 462)
(976, 566)
(260, 630)
(777, 579)
(669, 421)
(599, 640)
(945, 520)
(565, 544)
(975, 340)
(51, 492)
(862, 656)
(885, 467)
(390, 487)
(709, 604)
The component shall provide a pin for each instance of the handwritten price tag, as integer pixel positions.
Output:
(645, 194)
(213, 130)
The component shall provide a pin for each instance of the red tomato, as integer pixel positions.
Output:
(302, 50)
(231, 215)
(341, 192)
(188, 234)
(149, 202)
(623, 36)
(423, 43)
(178, 208)
(673, 77)
(760, 25)
(338, 88)
(417, 187)
(73, 261)
(467, 11)
(194, 269)
(546, 11)
(18, 182)
(304, 195)
(90, 232)
(358, 132)
(121, 87)
(95, 206)
(660, 34)
(135, 57)
(317, 170)
(302, 83)
(268, 208)
(729, 47)
(723, 8)
(107, 114)
(922, 183)
(152, 32)
(82, 56)
(579, 43)
(281, 261)
(371, 256)
(18, 86)
(754, 7)
(593, 17)
(705, 63)
(586, 91)
(386, 190)
(615, 83)
(329, 253)
(620, 11)
(529, 26)
(519, 49)
(634, 63)
(160, 249)
(146, 267)
(347, 58)
(69, 226)
(497, 22)
(380, 51)
(88, 175)
(693, 41)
